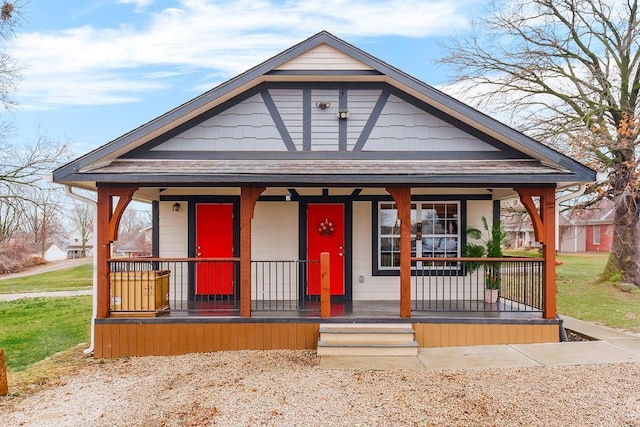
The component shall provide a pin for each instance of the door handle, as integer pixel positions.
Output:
(340, 254)
(199, 253)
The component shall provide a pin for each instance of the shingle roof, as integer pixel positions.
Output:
(327, 167)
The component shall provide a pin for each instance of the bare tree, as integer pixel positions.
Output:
(10, 218)
(132, 222)
(41, 214)
(568, 72)
(83, 220)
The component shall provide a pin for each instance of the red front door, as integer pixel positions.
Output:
(214, 239)
(325, 233)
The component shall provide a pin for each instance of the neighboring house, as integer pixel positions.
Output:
(589, 230)
(73, 246)
(322, 172)
(139, 246)
(520, 232)
(54, 253)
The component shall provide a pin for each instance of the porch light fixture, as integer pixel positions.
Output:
(287, 197)
(176, 207)
(343, 114)
(323, 105)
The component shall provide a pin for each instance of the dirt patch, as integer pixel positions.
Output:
(288, 388)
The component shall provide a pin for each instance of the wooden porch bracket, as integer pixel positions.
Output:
(325, 285)
(402, 197)
(248, 198)
(108, 224)
(544, 227)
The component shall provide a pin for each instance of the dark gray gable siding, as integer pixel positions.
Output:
(341, 91)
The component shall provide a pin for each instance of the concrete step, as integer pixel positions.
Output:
(367, 349)
(367, 336)
(371, 339)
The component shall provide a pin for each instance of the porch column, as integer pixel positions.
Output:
(544, 228)
(108, 224)
(402, 197)
(248, 198)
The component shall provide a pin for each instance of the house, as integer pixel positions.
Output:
(74, 247)
(54, 253)
(321, 186)
(139, 246)
(589, 230)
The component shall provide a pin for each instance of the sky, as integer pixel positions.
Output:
(92, 70)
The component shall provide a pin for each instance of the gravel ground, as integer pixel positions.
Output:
(288, 388)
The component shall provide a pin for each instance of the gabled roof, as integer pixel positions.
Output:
(287, 66)
(600, 213)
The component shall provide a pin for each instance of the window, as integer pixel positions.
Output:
(596, 234)
(439, 237)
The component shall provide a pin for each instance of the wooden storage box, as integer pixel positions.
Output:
(139, 293)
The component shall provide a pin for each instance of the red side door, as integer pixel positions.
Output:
(325, 233)
(214, 239)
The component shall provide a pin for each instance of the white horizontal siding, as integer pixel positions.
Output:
(372, 287)
(274, 237)
(173, 244)
(323, 57)
(404, 127)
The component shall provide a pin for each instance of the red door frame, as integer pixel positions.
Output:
(215, 238)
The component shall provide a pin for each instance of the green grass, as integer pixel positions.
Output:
(73, 278)
(36, 328)
(583, 296)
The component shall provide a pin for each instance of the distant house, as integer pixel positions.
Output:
(520, 233)
(139, 246)
(588, 230)
(73, 246)
(54, 253)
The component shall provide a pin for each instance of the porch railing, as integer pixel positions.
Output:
(210, 285)
(459, 284)
(285, 285)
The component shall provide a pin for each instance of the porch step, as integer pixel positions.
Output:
(371, 339)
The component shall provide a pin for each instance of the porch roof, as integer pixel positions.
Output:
(336, 171)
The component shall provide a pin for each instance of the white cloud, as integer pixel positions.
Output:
(93, 66)
(140, 4)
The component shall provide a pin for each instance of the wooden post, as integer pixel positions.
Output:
(248, 198)
(4, 386)
(108, 223)
(402, 197)
(544, 227)
(548, 214)
(325, 285)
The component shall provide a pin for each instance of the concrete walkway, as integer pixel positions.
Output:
(612, 347)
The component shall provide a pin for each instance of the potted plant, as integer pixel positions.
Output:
(491, 247)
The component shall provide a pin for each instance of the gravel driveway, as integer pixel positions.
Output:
(288, 388)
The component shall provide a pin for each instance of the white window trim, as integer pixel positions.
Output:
(418, 209)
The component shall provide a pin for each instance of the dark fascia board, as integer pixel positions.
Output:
(471, 180)
(325, 37)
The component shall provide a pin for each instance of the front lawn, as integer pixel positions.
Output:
(33, 329)
(582, 296)
(73, 278)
